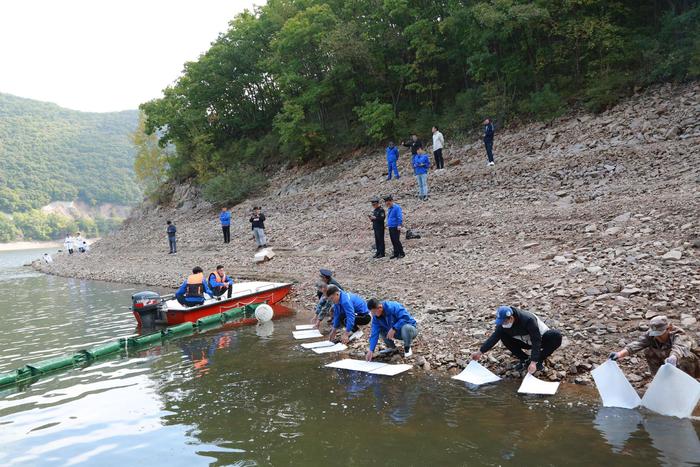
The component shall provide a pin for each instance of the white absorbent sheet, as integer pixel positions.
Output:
(532, 385)
(672, 392)
(375, 368)
(477, 374)
(311, 333)
(339, 347)
(304, 327)
(614, 388)
(314, 345)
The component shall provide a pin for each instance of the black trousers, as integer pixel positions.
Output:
(219, 291)
(360, 320)
(489, 150)
(439, 161)
(227, 233)
(551, 340)
(395, 236)
(379, 241)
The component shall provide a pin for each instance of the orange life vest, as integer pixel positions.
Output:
(218, 279)
(195, 288)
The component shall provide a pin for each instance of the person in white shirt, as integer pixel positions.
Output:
(79, 243)
(438, 143)
(68, 244)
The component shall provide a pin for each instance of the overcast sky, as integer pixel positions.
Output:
(104, 55)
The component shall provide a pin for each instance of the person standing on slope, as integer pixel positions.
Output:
(421, 164)
(171, 230)
(392, 157)
(438, 143)
(488, 140)
(394, 222)
(225, 219)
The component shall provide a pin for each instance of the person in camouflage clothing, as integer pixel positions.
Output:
(664, 343)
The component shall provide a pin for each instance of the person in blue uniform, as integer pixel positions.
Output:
(191, 292)
(219, 282)
(390, 320)
(349, 312)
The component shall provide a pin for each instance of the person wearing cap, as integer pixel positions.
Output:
(518, 330)
(390, 320)
(394, 222)
(326, 276)
(664, 343)
(257, 221)
(392, 157)
(377, 218)
(349, 311)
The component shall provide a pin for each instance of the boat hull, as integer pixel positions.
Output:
(179, 314)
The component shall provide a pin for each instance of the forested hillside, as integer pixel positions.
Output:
(53, 154)
(303, 79)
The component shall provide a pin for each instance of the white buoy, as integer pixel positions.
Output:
(264, 313)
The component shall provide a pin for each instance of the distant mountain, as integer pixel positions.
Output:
(48, 153)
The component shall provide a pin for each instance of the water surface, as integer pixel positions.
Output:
(252, 396)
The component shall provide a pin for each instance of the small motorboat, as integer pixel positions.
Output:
(150, 308)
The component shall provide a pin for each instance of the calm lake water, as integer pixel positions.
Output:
(242, 397)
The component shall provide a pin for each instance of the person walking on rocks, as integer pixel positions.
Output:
(390, 320)
(171, 230)
(257, 221)
(518, 330)
(438, 143)
(225, 219)
(349, 311)
(414, 144)
(421, 164)
(392, 158)
(394, 222)
(664, 343)
(488, 140)
(377, 218)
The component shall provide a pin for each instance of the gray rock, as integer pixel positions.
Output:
(672, 255)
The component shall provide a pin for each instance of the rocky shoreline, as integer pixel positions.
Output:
(591, 222)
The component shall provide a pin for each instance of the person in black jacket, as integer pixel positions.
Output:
(488, 140)
(377, 218)
(518, 330)
(414, 144)
(257, 222)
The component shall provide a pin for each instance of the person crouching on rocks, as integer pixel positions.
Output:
(191, 292)
(219, 282)
(518, 330)
(349, 311)
(664, 343)
(390, 320)
(323, 306)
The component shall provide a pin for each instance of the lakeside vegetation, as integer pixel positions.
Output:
(50, 154)
(302, 80)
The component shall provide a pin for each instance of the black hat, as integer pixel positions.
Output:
(326, 273)
(388, 198)
(375, 199)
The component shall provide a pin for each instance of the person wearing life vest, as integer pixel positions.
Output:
(191, 292)
(518, 330)
(219, 281)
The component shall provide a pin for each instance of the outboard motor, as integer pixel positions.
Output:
(148, 308)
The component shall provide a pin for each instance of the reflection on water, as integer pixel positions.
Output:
(252, 396)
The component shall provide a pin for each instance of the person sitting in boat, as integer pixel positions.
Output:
(191, 292)
(349, 311)
(219, 282)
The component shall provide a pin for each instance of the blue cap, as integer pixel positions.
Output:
(503, 313)
(326, 273)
